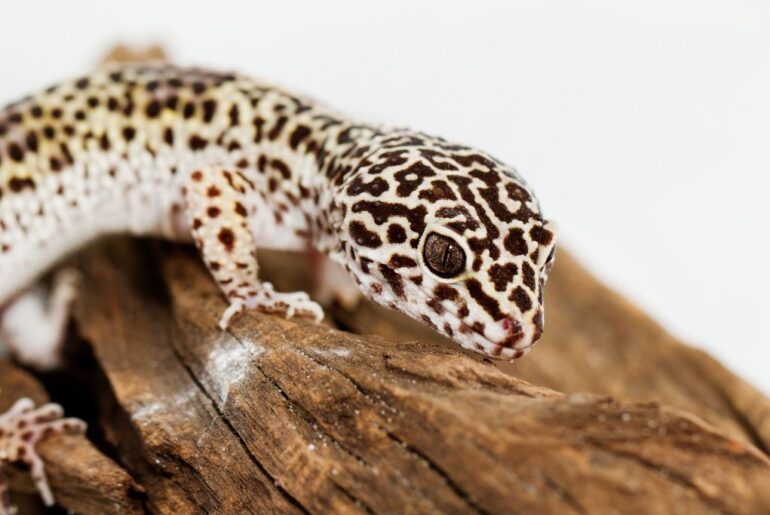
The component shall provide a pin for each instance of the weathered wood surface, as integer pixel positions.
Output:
(596, 341)
(288, 416)
(85, 481)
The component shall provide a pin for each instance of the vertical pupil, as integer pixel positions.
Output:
(443, 256)
(447, 254)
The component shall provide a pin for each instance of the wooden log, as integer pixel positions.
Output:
(596, 341)
(84, 479)
(284, 415)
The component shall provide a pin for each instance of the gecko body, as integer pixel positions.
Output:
(439, 231)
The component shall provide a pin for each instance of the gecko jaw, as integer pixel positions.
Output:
(506, 339)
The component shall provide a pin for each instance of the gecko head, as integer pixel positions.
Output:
(452, 238)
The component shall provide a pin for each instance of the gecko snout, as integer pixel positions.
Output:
(511, 326)
(518, 335)
(513, 332)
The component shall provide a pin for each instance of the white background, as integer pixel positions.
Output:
(644, 127)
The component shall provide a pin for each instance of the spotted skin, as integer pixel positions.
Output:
(413, 187)
(439, 231)
(21, 428)
(219, 203)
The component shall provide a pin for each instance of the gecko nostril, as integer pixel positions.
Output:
(511, 326)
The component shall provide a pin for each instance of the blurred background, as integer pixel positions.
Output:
(644, 127)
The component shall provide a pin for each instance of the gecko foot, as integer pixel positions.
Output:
(34, 325)
(267, 300)
(21, 428)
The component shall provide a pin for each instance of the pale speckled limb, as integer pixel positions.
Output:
(33, 326)
(21, 428)
(218, 210)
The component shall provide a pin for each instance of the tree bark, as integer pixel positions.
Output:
(597, 341)
(287, 416)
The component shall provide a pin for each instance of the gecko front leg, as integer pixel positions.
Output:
(21, 428)
(218, 204)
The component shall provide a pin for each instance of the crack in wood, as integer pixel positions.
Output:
(286, 494)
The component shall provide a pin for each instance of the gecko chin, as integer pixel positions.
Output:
(508, 338)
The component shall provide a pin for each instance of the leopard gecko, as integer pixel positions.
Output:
(440, 231)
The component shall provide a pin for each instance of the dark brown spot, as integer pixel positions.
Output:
(393, 279)
(129, 133)
(15, 152)
(363, 236)
(438, 190)
(502, 275)
(538, 320)
(487, 303)
(520, 297)
(411, 178)
(541, 235)
(281, 168)
(172, 102)
(374, 187)
(277, 128)
(445, 292)
(153, 109)
(227, 238)
(234, 115)
(399, 261)
(197, 143)
(396, 233)
(515, 242)
(17, 184)
(32, 142)
(300, 133)
(198, 87)
(529, 276)
(436, 306)
(209, 109)
(382, 211)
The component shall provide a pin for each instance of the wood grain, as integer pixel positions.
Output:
(281, 416)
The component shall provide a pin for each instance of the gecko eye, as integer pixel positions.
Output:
(443, 256)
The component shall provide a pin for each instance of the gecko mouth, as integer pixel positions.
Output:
(512, 341)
